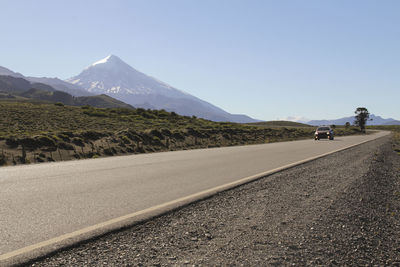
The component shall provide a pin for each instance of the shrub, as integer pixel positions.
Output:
(140, 110)
(59, 104)
(95, 113)
(194, 132)
(226, 136)
(90, 155)
(78, 141)
(38, 159)
(29, 143)
(156, 141)
(69, 134)
(12, 142)
(46, 141)
(132, 135)
(22, 160)
(64, 137)
(3, 159)
(108, 151)
(92, 135)
(157, 133)
(148, 115)
(178, 136)
(65, 146)
(162, 113)
(166, 132)
(125, 139)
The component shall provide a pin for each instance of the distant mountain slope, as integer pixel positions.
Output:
(5, 71)
(115, 78)
(280, 124)
(21, 89)
(14, 85)
(61, 85)
(56, 83)
(376, 120)
(393, 122)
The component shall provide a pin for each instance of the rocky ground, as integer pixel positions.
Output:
(343, 209)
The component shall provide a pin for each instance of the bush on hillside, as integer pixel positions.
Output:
(46, 141)
(12, 142)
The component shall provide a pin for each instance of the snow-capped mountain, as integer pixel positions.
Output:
(114, 77)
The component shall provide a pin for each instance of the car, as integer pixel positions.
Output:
(324, 132)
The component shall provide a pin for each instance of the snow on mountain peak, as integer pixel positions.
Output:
(114, 76)
(102, 61)
(110, 60)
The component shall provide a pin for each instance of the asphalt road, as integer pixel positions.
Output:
(339, 210)
(43, 201)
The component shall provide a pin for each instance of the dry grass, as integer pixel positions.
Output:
(46, 132)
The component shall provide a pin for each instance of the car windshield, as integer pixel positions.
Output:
(323, 129)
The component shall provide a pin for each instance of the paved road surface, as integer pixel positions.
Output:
(43, 201)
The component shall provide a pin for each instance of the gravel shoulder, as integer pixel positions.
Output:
(343, 209)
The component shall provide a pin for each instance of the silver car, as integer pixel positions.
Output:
(324, 132)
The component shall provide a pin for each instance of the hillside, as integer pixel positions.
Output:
(55, 83)
(37, 132)
(19, 88)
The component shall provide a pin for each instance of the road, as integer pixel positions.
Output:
(44, 201)
(339, 210)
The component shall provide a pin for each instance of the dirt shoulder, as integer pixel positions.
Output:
(343, 209)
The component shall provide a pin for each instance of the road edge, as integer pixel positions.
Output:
(53, 245)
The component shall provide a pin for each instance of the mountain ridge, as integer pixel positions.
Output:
(21, 89)
(114, 77)
(376, 120)
(56, 83)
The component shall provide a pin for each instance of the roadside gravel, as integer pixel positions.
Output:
(343, 209)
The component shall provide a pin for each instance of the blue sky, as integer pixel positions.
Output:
(267, 59)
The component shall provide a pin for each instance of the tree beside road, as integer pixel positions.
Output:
(362, 115)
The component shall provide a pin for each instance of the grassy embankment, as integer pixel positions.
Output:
(34, 132)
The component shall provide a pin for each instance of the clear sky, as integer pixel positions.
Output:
(267, 59)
